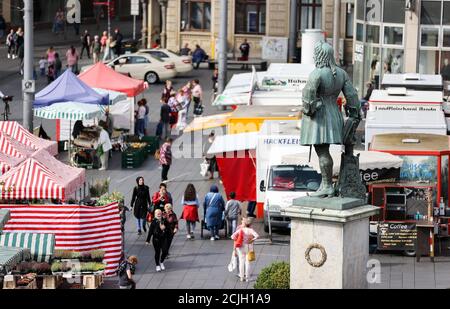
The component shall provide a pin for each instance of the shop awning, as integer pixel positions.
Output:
(69, 88)
(23, 136)
(10, 257)
(70, 111)
(368, 160)
(114, 96)
(41, 176)
(8, 162)
(4, 217)
(208, 122)
(41, 246)
(102, 76)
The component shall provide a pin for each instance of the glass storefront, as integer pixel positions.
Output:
(380, 30)
(435, 37)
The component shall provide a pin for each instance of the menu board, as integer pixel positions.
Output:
(397, 236)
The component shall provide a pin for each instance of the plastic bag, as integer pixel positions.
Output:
(233, 262)
(204, 166)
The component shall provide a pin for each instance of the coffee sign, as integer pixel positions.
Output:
(397, 236)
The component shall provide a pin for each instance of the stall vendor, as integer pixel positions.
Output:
(103, 145)
(77, 128)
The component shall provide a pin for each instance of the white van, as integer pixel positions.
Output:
(398, 110)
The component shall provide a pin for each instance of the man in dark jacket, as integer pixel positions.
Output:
(165, 120)
(118, 37)
(245, 51)
(364, 101)
(86, 44)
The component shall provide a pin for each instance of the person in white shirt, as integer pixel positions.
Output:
(140, 125)
(243, 243)
(105, 143)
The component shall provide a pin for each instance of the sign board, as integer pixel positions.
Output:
(405, 108)
(284, 82)
(377, 175)
(359, 52)
(28, 86)
(274, 48)
(73, 8)
(134, 7)
(397, 236)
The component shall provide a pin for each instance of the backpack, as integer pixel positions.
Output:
(122, 267)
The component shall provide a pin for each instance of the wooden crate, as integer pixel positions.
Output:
(92, 281)
(51, 282)
(9, 282)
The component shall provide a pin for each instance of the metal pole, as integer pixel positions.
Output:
(144, 23)
(28, 96)
(223, 45)
(293, 30)
(336, 30)
(134, 27)
(109, 18)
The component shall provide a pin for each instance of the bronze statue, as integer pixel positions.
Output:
(323, 123)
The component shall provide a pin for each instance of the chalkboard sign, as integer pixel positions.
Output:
(397, 236)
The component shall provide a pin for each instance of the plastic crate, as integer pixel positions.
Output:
(152, 141)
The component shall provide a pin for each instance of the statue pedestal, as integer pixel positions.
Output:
(329, 242)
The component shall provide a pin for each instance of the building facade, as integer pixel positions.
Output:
(198, 21)
(400, 36)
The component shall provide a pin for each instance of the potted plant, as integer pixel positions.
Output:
(57, 254)
(85, 256)
(97, 255)
(274, 276)
(56, 267)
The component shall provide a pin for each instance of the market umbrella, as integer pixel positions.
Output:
(68, 88)
(70, 111)
(114, 96)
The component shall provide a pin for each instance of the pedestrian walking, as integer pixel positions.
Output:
(158, 234)
(165, 158)
(18, 42)
(197, 97)
(50, 55)
(233, 210)
(140, 123)
(146, 118)
(187, 95)
(72, 59)
(161, 198)
(172, 226)
(140, 203)
(182, 106)
(50, 73)
(215, 80)
(185, 51)
(174, 108)
(165, 120)
(166, 91)
(190, 204)
(86, 44)
(10, 43)
(58, 66)
(210, 158)
(214, 206)
(103, 40)
(42, 65)
(107, 51)
(118, 37)
(96, 49)
(251, 207)
(125, 272)
(244, 238)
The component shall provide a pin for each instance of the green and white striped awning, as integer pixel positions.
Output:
(70, 111)
(10, 257)
(4, 217)
(41, 246)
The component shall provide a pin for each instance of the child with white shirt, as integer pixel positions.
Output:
(42, 65)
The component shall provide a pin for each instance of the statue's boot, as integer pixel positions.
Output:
(326, 188)
(326, 191)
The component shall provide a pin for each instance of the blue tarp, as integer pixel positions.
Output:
(69, 88)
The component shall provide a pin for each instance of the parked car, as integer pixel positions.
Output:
(130, 46)
(183, 64)
(142, 66)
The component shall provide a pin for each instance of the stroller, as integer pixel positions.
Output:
(223, 224)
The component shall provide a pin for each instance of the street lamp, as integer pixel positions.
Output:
(163, 4)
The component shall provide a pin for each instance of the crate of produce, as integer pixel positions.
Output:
(152, 143)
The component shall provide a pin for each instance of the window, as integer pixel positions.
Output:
(359, 32)
(393, 11)
(196, 15)
(446, 17)
(294, 178)
(360, 9)
(159, 54)
(429, 37)
(310, 14)
(250, 16)
(350, 16)
(373, 34)
(137, 60)
(393, 35)
(430, 13)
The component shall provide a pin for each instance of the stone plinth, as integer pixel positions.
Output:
(329, 243)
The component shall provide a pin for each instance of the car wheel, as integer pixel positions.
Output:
(151, 77)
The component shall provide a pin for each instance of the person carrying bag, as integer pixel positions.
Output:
(244, 238)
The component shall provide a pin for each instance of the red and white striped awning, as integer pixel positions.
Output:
(31, 180)
(19, 133)
(8, 162)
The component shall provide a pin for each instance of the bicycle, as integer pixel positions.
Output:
(6, 112)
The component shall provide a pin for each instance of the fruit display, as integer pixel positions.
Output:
(138, 145)
(26, 279)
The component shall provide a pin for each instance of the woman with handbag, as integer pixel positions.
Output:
(243, 244)
(172, 226)
(214, 208)
(140, 202)
(190, 210)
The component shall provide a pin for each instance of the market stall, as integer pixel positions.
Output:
(425, 168)
(41, 246)
(18, 133)
(4, 217)
(123, 111)
(41, 176)
(207, 123)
